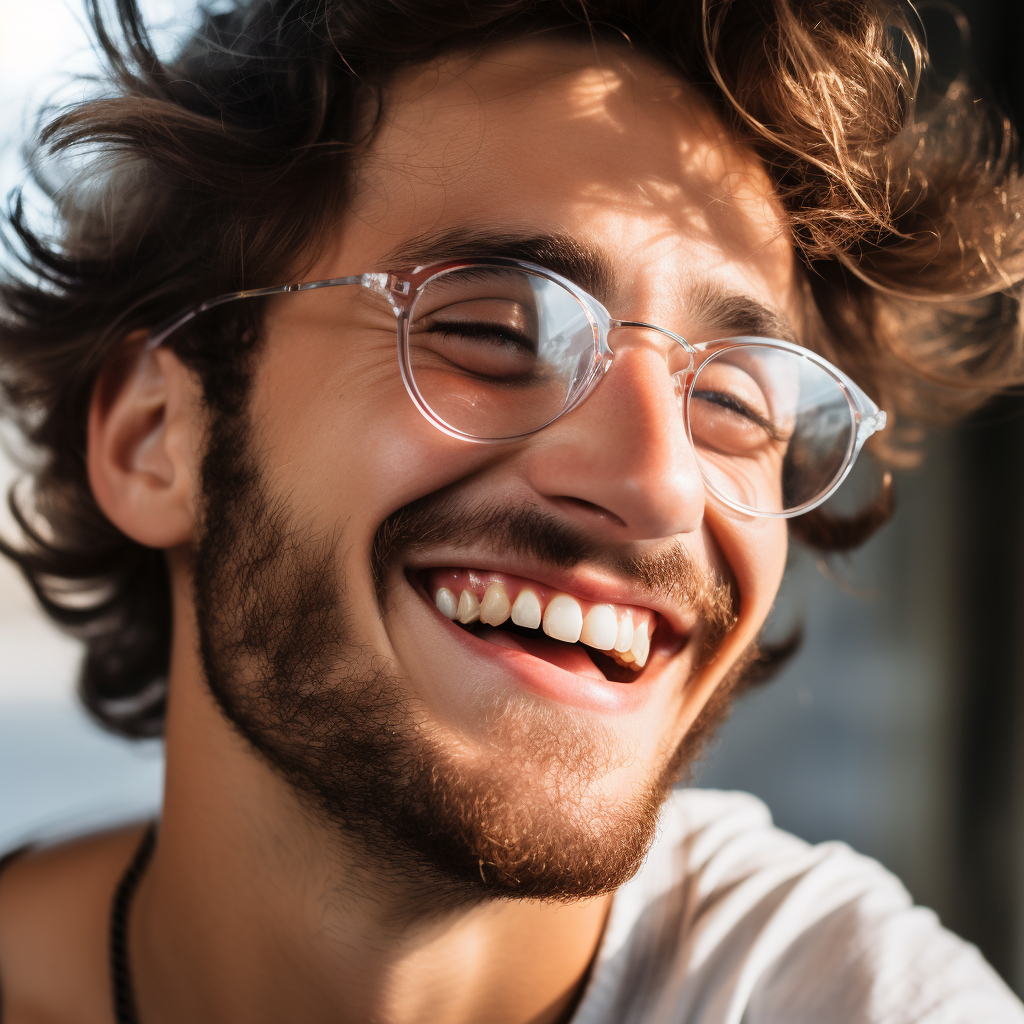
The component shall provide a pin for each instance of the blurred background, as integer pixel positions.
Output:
(898, 726)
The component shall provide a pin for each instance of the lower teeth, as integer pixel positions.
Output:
(616, 656)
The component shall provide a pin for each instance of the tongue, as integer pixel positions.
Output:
(569, 657)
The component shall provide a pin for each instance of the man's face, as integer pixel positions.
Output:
(357, 510)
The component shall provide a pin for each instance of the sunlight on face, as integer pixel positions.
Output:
(532, 133)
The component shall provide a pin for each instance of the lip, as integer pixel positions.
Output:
(546, 680)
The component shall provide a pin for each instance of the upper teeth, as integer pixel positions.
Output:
(526, 610)
(602, 626)
(447, 603)
(563, 618)
(495, 607)
(469, 607)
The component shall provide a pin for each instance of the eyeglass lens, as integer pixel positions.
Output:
(772, 430)
(498, 352)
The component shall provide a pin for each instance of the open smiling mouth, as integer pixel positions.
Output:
(576, 635)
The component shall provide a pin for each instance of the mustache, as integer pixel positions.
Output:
(666, 571)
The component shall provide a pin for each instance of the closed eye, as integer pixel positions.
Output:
(498, 334)
(725, 400)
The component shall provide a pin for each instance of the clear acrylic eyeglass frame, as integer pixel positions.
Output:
(401, 289)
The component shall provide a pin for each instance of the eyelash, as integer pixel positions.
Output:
(741, 408)
(484, 331)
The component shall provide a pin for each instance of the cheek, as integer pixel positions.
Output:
(754, 549)
(343, 442)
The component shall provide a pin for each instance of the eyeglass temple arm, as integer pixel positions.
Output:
(382, 284)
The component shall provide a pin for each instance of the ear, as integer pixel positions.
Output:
(145, 428)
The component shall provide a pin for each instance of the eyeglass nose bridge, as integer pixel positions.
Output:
(681, 377)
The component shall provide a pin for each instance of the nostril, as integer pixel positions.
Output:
(571, 504)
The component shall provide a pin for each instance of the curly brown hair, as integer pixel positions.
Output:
(211, 171)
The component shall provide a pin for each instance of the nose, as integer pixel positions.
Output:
(621, 463)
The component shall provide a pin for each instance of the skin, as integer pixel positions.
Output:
(251, 909)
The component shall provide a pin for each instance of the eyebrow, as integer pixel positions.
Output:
(709, 303)
(714, 307)
(582, 264)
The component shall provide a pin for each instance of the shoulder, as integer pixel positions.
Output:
(54, 911)
(731, 917)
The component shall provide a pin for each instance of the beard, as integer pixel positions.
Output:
(290, 672)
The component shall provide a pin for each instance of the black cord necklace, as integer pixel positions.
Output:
(120, 967)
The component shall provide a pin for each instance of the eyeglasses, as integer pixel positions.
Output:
(493, 350)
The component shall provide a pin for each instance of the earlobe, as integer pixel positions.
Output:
(142, 452)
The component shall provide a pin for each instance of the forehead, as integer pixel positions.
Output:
(552, 137)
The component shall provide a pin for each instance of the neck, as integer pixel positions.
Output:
(253, 910)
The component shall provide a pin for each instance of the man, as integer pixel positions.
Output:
(431, 635)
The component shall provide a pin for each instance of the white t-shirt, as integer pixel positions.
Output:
(733, 921)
